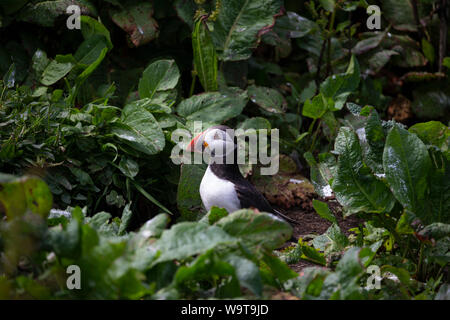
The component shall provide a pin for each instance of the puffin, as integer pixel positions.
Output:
(222, 184)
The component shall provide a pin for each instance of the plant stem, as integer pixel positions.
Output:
(420, 262)
(443, 33)
(315, 136)
(194, 77)
(330, 33)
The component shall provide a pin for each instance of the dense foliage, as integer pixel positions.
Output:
(86, 118)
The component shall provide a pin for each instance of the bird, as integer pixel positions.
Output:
(222, 184)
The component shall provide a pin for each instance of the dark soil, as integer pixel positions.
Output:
(310, 223)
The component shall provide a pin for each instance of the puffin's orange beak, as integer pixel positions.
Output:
(197, 144)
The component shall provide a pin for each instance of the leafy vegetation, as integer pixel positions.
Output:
(87, 116)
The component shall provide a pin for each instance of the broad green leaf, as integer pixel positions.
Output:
(237, 28)
(90, 49)
(400, 14)
(45, 13)
(406, 164)
(208, 266)
(340, 86)
(328, 5)
(17, 195)
(278, 268)
(323, 210)
(214, 215)
(343, 283)
(91, 68)
(55, 71)
(247, 273)
(428, 50)
(354, 185)
(315, 108)
(129, 167)
(319, 177)
(256, 229)
(205, 58)
(137, 20)
(151, 229)
(255, 123)
(432, 133)
(91, 27)
(311, 254)
(140, 130)
(159, 76)
(40, 62)
(188, 196)
(125, 219)
(186, 239)
(332, 240)
(267, 98)
(213, 107)
(374, 142)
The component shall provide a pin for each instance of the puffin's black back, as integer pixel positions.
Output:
(248, 195)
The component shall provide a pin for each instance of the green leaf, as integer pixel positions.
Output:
(151, 229)
(428, 50)
(161, 75)
(129, 167)
(255, 123)
(247, 272)
(373, 140)
(267, 98)
(125, 219)
(17, 195)
(432, 133)
(340, 86)
(186, 239)
(237, 28)
(354, 185)
(140, 130)
(90, 49)
(207, 267)
(214, 215)
(45, 13)
(332, 240)
(188, 196)
(323, 210)
(55, 71)
(91, 27)
(406, 163)
(213, 107)
(316, 108)
(136, 20)
(256, 229)
(328, 5)
(205, 58)
(400, 14)
(40, 62)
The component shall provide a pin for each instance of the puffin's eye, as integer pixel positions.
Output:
(217, 136)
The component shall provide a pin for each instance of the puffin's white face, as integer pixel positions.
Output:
(214, 142)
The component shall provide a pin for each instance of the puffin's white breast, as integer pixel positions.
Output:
(218, 192)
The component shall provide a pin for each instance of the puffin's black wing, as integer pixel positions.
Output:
(250, 197)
